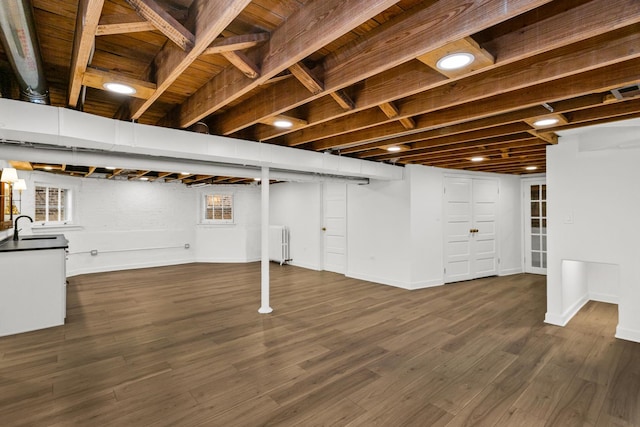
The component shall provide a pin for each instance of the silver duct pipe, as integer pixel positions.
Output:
(19, 40)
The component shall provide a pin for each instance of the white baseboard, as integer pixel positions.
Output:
(510, 271)
(563, 319)
(308, 266)
(395, 283)
(107, 268)
(627, 334)
(608, 298)
(226, 260)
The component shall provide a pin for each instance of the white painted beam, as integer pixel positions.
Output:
(24, 121)
(265, 308)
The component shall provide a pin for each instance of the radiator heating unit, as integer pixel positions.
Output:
(279, 244)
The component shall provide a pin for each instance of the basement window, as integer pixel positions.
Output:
(218, 209)
(52, 205)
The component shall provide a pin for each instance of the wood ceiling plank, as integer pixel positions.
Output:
(595, 17)
(96, 78)
(231, 44)
(294, 40)
(122, 24)
(211, 18)
(439, 23)
(487, 152)
(389, 109)
(472, 136)
(88, 16)
(461, 119)
(382, 49)
(547, 72)
(164, 22)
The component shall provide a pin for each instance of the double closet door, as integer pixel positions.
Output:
(471, 211)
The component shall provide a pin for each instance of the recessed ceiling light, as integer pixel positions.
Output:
(394, 149)
(455, 61)
(48, 168)
(144, 178)
(119, 88)
(531, 168)
(477, 159)
(546, 122)
(284, 124)
(185, 173)
(110, 168)
(257, 179)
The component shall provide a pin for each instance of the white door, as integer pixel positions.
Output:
(535, 226)
(335, 226)
(470, 228)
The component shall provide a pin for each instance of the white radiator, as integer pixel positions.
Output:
(279, 244)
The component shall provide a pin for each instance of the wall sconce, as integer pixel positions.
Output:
(9, 176)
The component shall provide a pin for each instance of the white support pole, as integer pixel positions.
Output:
(264, 305)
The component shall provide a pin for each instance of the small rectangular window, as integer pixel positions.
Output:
(53, 205)
(218, 208)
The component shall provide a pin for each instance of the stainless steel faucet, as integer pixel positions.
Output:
(15, 226)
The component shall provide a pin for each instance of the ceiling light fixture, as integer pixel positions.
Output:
(546, 122)
(455, 61)
(394, 149)
(119, 88)
(257, 179)
(110, 168)
(144, 178)
(477, 159)
(284, 124)
(48, 168)
(531, 168)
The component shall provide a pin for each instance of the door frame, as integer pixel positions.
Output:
(525, 184)
(444, 213)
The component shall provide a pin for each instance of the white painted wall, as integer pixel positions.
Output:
(134, 224)
(395, 228)
(592, 187)
(238, 242)
(299, 207)
(379, 232)
(131, 224)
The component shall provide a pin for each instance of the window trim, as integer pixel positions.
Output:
(70, 206)
(203, 209)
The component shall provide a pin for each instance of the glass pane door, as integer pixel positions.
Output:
(536, 227)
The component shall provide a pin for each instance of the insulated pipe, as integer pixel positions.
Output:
(19, 40)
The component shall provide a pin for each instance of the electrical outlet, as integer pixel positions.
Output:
(94, 252)
(187, 246)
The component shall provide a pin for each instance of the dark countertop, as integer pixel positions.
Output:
(34, 243)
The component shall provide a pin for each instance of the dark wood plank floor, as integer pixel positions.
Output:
(185, 346)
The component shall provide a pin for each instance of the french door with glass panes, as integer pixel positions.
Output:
(535, 227)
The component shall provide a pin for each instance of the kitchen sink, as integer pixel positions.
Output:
(38, 238)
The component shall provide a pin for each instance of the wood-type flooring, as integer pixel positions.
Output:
(185, 346)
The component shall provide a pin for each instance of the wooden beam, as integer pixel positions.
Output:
(92, 169)
(343, 100)
(306, 77)
(408, 122)
(211, 18)
(165, 23)
(122, 24)
(562, 66)
(291, 42)
(96, 78)
(576, 24)
(242, 63)
(235, 43)
(86, 24)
